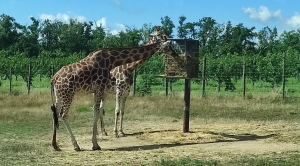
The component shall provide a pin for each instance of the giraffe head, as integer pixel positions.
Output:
(157, 36)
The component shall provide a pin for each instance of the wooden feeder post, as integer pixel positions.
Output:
(188, 52)
(187, 101)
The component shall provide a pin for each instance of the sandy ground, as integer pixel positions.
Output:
(158, 139)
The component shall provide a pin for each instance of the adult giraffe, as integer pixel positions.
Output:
(121, 80)
(92, 75)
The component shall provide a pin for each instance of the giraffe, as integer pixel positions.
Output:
(121, 80)
(92, 75)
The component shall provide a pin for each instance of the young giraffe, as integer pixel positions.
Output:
(92, 75)
(121, 80)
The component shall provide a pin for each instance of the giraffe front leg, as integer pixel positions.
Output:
(117, 112)
(103, 132)
(122, 111)
(116, 123)
(97, 101)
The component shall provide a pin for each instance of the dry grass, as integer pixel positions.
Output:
(221, 130)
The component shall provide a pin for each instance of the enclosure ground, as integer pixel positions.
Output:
(147, 142)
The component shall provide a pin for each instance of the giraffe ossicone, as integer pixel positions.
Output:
(92, 75)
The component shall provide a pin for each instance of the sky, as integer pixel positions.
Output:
(115, 15)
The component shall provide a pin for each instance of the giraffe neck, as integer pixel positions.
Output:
(112, 57)
(134, 65)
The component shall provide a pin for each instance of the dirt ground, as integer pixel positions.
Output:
(157, 139)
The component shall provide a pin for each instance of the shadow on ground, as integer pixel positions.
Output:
(233, 138)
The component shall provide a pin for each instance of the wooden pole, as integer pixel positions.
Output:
(52, 70)
(171, 88)
(203, 76)
(186, 111)
(244, 80)
(167, 86)
(10, 81)
(134, 82)
(29, 77)
(283, 76)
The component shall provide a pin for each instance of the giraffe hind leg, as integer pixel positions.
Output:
(55, 126)
(63, 104)
(74, 142)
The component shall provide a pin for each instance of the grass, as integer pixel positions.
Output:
(272, 160)
(26, 128)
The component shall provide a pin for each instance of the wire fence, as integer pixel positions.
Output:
(241, 80)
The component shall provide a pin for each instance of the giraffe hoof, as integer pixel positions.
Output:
(96, 148)
(121, 134)
(77, 149)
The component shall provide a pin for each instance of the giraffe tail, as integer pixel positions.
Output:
(53, 108)
(55, 118)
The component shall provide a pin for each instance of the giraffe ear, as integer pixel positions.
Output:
(165, 38)
(158, 28)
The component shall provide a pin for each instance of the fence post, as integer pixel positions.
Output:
(171, 88)
(52, 70)
(10, 81)
(186, 114)
(283, 76)
(167, 86)
(29, 77)
(203, 76)
(134, 82)
(244, 79)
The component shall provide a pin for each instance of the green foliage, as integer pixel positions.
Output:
(153, 66)
(270, 68)
(50, 44)
(144, 87)
(84, 109)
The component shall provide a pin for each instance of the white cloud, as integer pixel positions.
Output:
(120, 27)
(294, 21)
(102, 22)
(81, 19)
(263, 14)
(61, 17)
(117, 3)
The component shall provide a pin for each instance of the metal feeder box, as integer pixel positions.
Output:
(188, 64)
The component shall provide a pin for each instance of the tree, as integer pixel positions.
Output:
(267, 40)
(9, 33)
(28, 41)
(75, 36)
(290, 39)
(191, 30)
(97, 37)
(208, 35)
(167, 26)
(50, 35)
(181, 29)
